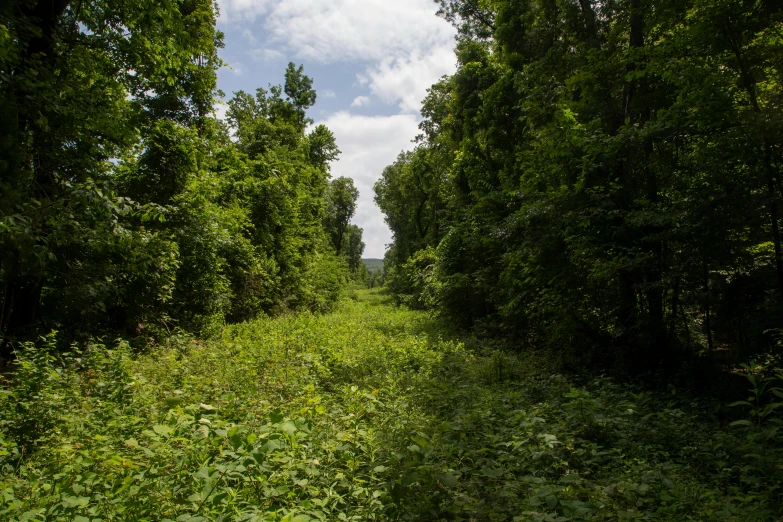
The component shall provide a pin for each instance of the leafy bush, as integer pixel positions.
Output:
(414, 283)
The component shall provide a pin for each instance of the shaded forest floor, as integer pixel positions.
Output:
(370, 413)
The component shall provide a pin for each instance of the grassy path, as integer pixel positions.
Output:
(369, 413)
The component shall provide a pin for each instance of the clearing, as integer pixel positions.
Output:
(370, 413)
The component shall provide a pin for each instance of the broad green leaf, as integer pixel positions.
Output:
(276, 416)
(447, 480)
(162, 429)
(289, 428)
(492, 472)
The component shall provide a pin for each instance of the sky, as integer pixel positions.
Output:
(371, 62)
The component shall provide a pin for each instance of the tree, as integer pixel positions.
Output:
(323, 147)
(609, 176)
(353, 247)
(283, 189)
(341, 201)
(77, 85)
(300, 92)
(125, 207)
(408, 193)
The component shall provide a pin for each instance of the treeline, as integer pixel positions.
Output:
(602, 178)
(127, 208)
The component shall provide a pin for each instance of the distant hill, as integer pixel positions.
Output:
(373, 264)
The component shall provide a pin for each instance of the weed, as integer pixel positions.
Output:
(369, 413)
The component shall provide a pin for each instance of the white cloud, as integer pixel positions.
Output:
(219, 109)
(406, 80)
(368, 144)
(248, 35)
(266, 55)
(328, 93)
(360, 101)
(242, 10)
(402, 45)
(355, 30)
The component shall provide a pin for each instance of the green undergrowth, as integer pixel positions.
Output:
(369, 413)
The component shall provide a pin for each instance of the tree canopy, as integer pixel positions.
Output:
(602, 177)
(126, 207)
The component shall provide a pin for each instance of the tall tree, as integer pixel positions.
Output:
(341, 201)
(300, 92)
(353, 247)
(611, 175)
(78, 80)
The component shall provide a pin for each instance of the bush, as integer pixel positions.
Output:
(414, 283)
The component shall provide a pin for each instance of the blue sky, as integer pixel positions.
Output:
(371, 62)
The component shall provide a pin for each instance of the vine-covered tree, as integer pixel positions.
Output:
(79, 82)
(125, 207)
(612, 176)
(353, 248)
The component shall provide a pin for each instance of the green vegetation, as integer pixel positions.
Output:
(369, 413)
(375, 274)
(602, 178)
(126, 208)
(597, 187)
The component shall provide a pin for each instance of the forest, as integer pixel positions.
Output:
(602, 178)
(579, 317)
(129, 209)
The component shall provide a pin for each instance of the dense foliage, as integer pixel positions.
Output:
(603, 177)
(341, 199)
(125, 206)
(598, 181)
(370, 413)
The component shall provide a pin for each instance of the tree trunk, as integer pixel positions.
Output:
(44, 15)
(21, 303)
(590, 26)
(774, 217)
(707, 311)
(22, 293)
(675, 305)
(634, 112)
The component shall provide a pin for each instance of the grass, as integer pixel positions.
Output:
(369, 413)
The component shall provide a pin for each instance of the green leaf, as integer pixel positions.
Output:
(276, 416)
(162, 429)
(272, 445)
(289, 428)
(409, 479)
(447, 480)
(492, 472)
(741, 423)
